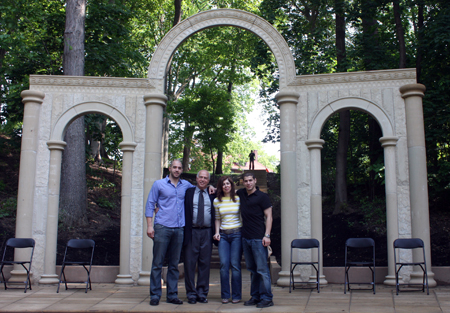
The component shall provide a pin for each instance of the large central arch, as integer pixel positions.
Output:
(223, 17)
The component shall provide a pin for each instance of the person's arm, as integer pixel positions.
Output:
(217, 234)
(150, 229)
(151, 209)
(268, 214)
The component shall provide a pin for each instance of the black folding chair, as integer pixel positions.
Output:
(410, 243)
(74, 256)
(304, 244)
(8, 259)
(357, 253)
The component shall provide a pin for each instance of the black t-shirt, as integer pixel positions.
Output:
(252, 212)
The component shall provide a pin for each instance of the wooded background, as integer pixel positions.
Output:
(218, 74)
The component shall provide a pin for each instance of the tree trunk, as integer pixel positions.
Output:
(400, 34)
(73, 193)
(344, 116)
(188, 133)
(166, 120)
(219, 166)
(419, 40)
(341, 162)
(375, 152)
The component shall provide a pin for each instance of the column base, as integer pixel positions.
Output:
(322, 280)
(390, 280)
(417, 278)
(283, 278)
(124, 280)
(18, 276)
(144, 279)
(48, 279)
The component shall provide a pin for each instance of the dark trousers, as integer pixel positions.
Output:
(198, 252)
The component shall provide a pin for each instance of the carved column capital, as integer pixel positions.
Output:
(286, 96)
(32, 96)
(127, 146)
(56, 145)
(412, 90)
(155, 99)
(314, 143)
(388, 141)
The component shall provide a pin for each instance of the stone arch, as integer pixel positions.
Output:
(222, 17)
(354, 103)
(56, 146)
(88, 107)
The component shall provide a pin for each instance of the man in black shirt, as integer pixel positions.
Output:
(251, 164)
(256, 213)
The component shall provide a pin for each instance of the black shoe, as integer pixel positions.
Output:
(192, 301)
(252, 301)
(264, 304)
(202, 300)
(175, 301)
(154, 301)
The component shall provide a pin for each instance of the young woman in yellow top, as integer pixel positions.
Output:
(228, 233)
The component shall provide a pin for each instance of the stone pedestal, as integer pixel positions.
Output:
(155, 104)
(289, 217)
(418, 176)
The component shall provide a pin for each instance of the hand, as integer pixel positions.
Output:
(151, 232)
(212, 190)
(266, 242)
(216, 237)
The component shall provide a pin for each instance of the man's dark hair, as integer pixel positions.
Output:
(249, 174)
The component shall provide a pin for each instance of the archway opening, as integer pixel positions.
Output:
(102, 214)
(355, 204)
(216, 79)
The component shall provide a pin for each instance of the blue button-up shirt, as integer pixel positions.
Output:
(169, 200)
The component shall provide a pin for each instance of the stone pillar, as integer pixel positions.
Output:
(418, 179)
(56, 148)
(314, 146)
(124, 276)
(24, 217)
(289, 217)
(389, 143)
(155, 104)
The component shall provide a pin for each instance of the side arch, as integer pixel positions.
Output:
(89, 107)
(222, 17)
(354, 103)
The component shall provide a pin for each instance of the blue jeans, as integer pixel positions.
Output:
(256, 260)
(230, 253)
(168, 241)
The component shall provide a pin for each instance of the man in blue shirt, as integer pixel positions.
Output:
(168, 231)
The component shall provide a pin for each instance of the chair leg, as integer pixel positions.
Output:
(291, 278)
(59, 280)
(3, 276)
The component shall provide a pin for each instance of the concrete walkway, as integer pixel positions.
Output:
(115, 298)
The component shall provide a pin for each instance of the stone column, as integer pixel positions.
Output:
(289, 217)
(389, 143)
(124, 276)
(314, 146)
(24, 217)
(155, 104)
(56, 148)
(418, 179)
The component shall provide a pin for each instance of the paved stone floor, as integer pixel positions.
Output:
(116, 298)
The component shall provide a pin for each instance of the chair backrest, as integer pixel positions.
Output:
(360, 243)
(81, 243)
(20, 243)
(305, 243)
(408, 243)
